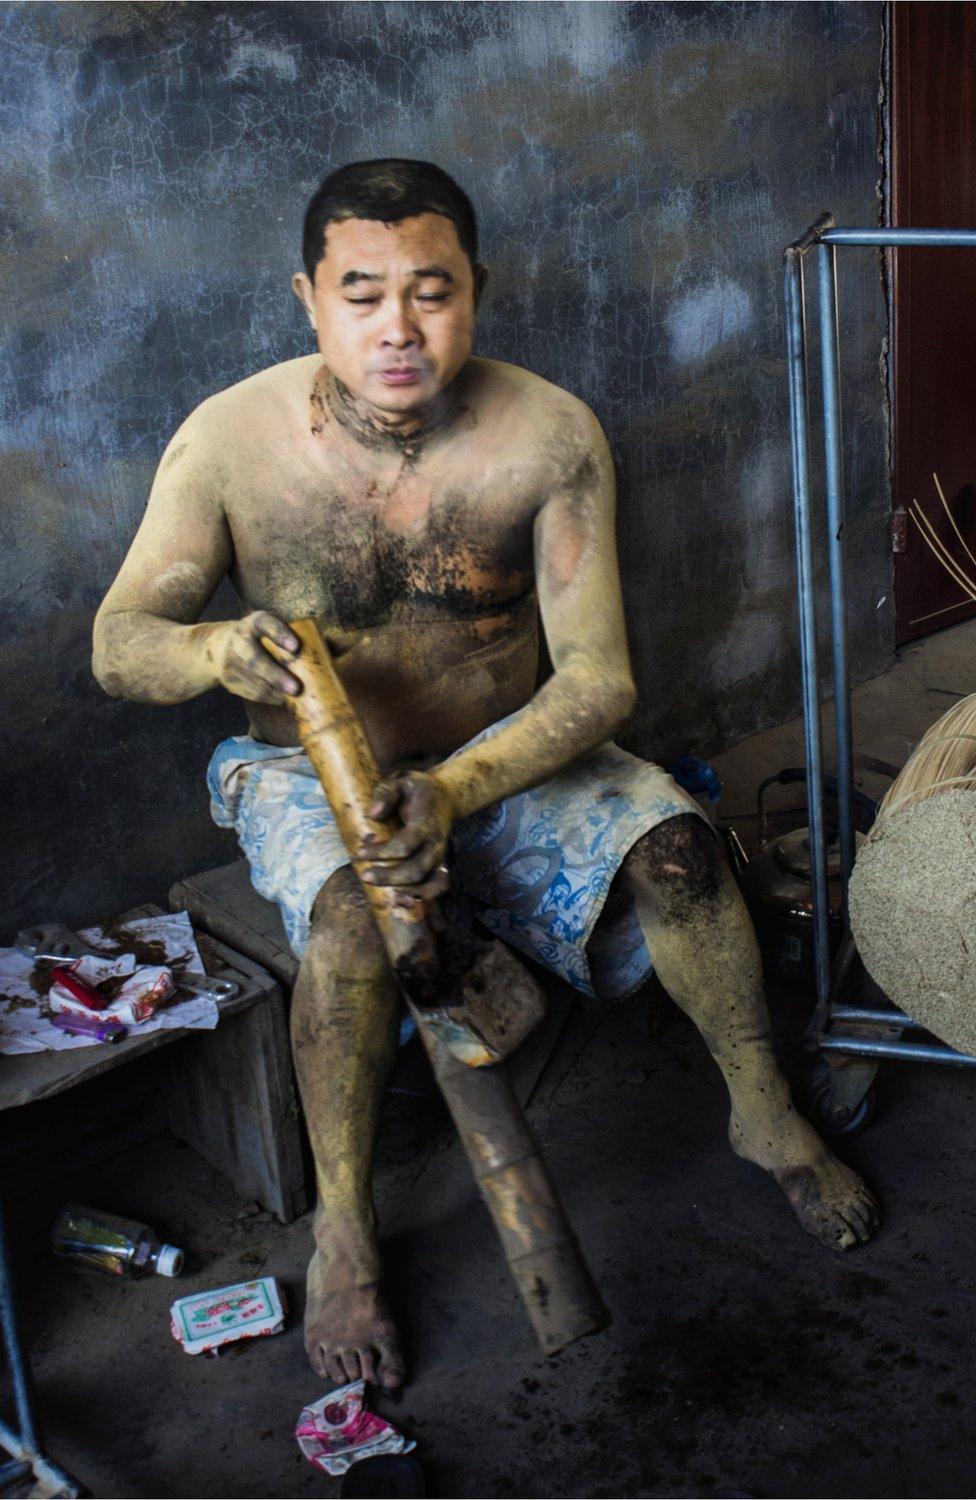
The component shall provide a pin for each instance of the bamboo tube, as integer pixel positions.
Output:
(557, 1290)
(336, 744)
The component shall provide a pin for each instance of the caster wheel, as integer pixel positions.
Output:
(826, 1117)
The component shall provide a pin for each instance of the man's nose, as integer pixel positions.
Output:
(399, 331)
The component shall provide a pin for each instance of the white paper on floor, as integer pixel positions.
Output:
(24, 1026)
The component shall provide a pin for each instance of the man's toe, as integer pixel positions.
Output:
(350, 1360)
(390, 1367)
(868, 1214)
(871, 1207)
(839, 1232)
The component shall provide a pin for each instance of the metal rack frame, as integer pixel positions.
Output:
(22, 1441)
(824, 238)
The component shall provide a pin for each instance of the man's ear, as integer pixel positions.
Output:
(480, 282)
(303, 290)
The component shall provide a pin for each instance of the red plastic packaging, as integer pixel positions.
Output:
(81, 991)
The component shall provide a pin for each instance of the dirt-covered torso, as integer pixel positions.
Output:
(416, 554)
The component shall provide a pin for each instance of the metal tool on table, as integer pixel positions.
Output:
(203, 986)
(468, 1003)
(849, 1038)
(54, 942)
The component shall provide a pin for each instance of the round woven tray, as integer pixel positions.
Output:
(913, 913)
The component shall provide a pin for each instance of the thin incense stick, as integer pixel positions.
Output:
(952, 521)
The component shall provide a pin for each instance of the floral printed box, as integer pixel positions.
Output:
(204, 1321)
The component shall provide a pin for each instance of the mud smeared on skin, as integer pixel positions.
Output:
(319, 414)
(516, 487)
(173, 455)
(679, 858)
(344, 1021)
(704, 951)
(331, 396)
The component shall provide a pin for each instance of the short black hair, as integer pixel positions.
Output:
(389, 189)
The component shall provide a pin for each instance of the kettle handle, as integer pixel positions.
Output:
(793, 774)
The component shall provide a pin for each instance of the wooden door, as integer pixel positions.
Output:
(933, 177)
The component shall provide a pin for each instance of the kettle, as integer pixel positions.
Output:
(778, 882)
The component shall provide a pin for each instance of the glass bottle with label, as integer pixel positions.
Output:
(118, 1247)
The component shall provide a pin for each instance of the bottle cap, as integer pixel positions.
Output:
(169, 1261)
(696, 776)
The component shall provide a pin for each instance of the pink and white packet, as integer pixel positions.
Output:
(337, 1431)
(143, 990)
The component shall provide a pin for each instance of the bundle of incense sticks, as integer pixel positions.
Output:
(943, 760)
(945, 757)
(955, 569)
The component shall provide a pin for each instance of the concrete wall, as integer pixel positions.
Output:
(638, 169)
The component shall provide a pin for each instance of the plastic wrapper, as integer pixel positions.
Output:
(339, 1430)
(137, 999)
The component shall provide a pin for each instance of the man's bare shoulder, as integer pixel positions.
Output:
(216, 448)
(545, 413)
(280, 388)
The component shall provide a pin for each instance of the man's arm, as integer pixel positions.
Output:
(590, 693)
(147, 644)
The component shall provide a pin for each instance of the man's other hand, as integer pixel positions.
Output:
(243, 666)
(413, 859)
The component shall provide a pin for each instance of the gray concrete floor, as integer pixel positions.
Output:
(742, 1357)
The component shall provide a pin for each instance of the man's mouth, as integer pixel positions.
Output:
(400, 375)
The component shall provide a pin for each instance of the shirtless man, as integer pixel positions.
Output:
(422, 504)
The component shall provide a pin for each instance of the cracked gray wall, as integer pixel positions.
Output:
(637, 168)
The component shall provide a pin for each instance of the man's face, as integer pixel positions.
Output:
(393, 306)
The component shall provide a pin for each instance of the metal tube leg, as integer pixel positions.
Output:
(16, 1362)
(22, 1444)
(799, 454)
(836, 523)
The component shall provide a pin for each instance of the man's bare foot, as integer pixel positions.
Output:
(349, 1334)
(829, 1199)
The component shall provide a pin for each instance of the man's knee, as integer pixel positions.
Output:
(345, 976)
(681, 860)
(343, 923)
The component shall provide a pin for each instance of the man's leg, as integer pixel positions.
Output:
(704, 951)
(344, 1027)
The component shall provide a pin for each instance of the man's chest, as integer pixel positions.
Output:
(420, 546)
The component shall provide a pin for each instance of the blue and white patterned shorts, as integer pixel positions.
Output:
(535, 869)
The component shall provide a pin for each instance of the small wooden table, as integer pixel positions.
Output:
(229, 1092)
